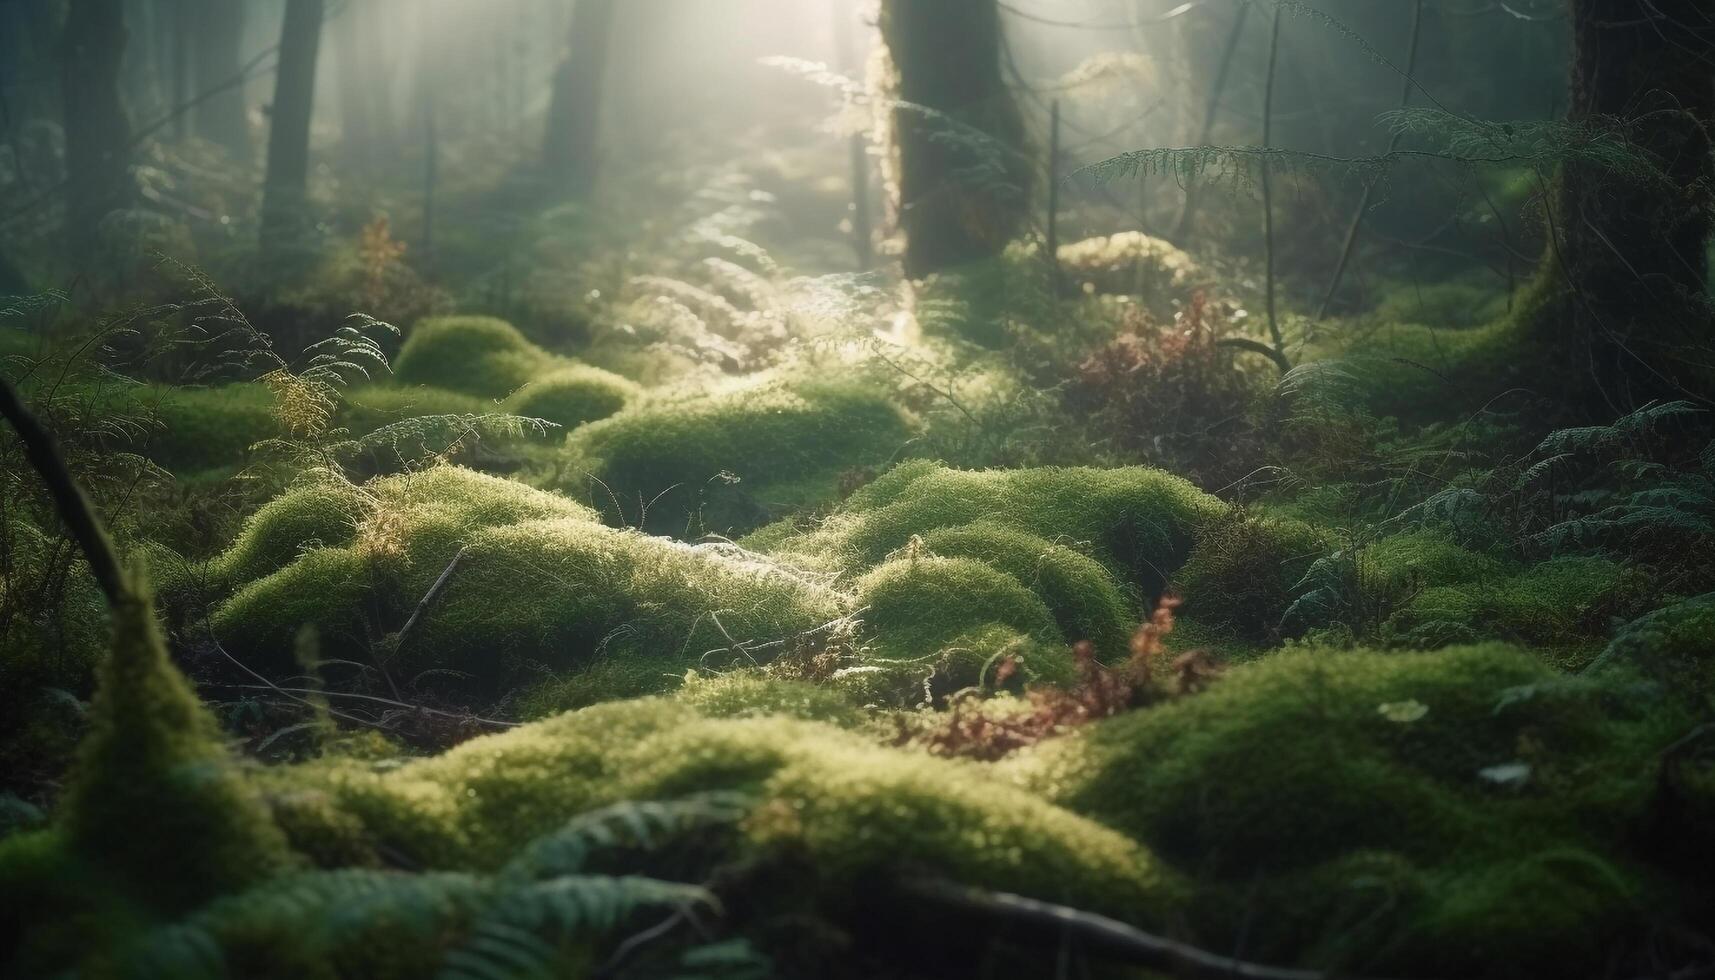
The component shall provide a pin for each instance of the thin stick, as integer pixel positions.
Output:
(1052, 924)
(1370, 186)
(428, 600)
(69, 499)
(1268, 183)
(1194, 191)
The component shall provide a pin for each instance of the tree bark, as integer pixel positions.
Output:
(97, 133)
(571, 146)
(216, 38)
(285, 190)
(1627, 263)
(961, 168)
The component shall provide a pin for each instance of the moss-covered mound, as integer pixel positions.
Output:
(1462, 813)
(1674, 646)
(1138, 523)
(476, 355)
(540, 581)
(1445, 594)
(1129, 262)
(571, 396)
(206, 428)
(853, 807)
(729, 461)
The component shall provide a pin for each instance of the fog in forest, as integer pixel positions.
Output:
(857, 489)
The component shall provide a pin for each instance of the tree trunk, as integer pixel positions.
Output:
(97, 134)
(284, 192)
(216, 39)
(571, 147)
(961, 171)
(1627, 258)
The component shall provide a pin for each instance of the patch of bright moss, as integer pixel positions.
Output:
(732, 460)
(207, 428)
(540, 581)
(1081, 595)
(475, 355)
(1137, 522)
(320, 511)
(571, 396)
(1473, 767)
(854, 808)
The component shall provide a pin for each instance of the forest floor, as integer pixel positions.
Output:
(697, 610)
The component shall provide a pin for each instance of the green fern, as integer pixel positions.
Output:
(541, 915)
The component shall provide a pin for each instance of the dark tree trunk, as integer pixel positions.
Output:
(1628, 262)
(97, 134)
(216, 38)
(960, 165)
(284, 192)
(571, 146)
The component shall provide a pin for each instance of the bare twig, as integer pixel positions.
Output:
(1051, 924)
(1193, 192)
(428, 600)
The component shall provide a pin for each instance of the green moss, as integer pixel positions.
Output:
(731, 460)
(369, 407)
(320, 511)
(750, 694)
(1454, 597)
(154, 798)
(1138, 523)
(852, 807)
(475, 355)
(1240, 578)
(1472, 767)
(1081, 595)
(1467, 302)
(1674, 645)
(571, 396)
(540, 581)
(919, 605)
(56, 907)
(207, 428)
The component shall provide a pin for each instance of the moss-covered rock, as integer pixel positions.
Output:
(1479, 776)
(732, 460)
(1242, 575)
(475, 355)
(571, 396)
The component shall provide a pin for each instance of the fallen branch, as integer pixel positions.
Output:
(1027, 919)
(428, 600)
(1257, 347)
